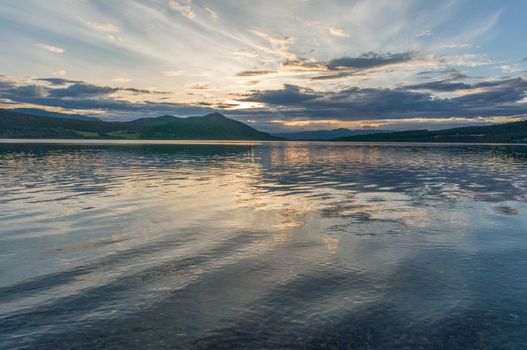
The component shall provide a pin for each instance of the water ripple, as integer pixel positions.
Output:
(262, 245)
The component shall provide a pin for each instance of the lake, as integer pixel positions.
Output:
(207, 245)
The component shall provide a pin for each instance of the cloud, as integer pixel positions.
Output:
(425, 33)
(441, 85)
(51, 48)
(254, 73)
(5, 83)
(511, 68)
(469, 60)
(82, 90)
(289, 95)
(211, 13)
(448, 74)
(244, 53)
(456, 46)
(59, 88)
(332, 76)
(370, 60)
(58, 81)
(60, 72)
(184, 9)
(100, 26)
(282, 42)
(85, 96)
(199, 86)
(488, 98)
(336, 31)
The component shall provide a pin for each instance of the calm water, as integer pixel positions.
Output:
(263, 245)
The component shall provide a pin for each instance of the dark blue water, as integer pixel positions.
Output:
(263, 246)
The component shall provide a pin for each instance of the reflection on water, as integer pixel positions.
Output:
(263, 245)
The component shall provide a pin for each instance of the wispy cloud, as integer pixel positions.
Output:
(424, 34)
(283, 42)
(336, 31)
(511, 68)
(244, 53)
(456, 46)
(51, 48)
(468, 60)
(211, 13)
(100, 26)
(254, 73)
(184, 8)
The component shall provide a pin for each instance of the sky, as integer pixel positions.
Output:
(276, 65)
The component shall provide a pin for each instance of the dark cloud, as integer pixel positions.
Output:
(489, 98)
(254, 73)
(496, 94)
(58, 81)
(447, 74)
(89, 90)
(302, 64)
(144, 91)
(82, 90)
(331, 76)
(89, 97)
(6, 84)
(290, 94)
(344, 66)
(450, 85)
(224, 105)
(441, 85)
(29, 91)
(370, 60)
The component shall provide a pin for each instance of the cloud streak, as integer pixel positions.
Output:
(100, 26)
(51, 48)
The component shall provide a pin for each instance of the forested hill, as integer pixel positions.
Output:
(515, 132)
(213, 126)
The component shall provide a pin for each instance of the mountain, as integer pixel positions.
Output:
(326, 134)
(515, 132)
(43, 113)
(213, 126)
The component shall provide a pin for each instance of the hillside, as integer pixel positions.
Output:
(515, 132)
(44, 113)
(213, 126)
(326, 134)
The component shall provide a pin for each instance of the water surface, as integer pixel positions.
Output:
(263, 245)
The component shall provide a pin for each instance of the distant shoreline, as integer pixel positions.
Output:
(245, 142)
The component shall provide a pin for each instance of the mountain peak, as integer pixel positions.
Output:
(215, 115)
